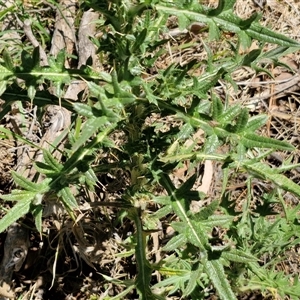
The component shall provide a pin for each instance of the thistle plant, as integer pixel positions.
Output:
(126, 99)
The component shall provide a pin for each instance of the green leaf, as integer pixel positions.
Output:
(183, 21)
(91, 179)
(180, 207)
(36, 58)
(41, 99)
(144, 270)
(27, 63)
(51, 161)
(241, 121)
(171, 271)
(90, 127)
(197, 236)
(262, 33)
(217, 220)
(7, 10)
(86, 110)
(3, 85)
(149, 93)
(58, 88)
(198, 155)
(16, 212)
(209, 80)
(162, 212)
(216, 273)
(192, 283)
(240, 256)
(251, 140)
(263, 171)
(18, 195)
(95, 90)
(228, 21)
(227, 4)
(31, 91)
(244, 40)
(179, 227)
(229, 114)
(8, 61)
(186, 186)
(25, 183)
(217, 108)
(61, 59)
(5, 74)
(68, 200)
(139, 40)
(220, 8)
(251, 57)
(277, 52)
(45, 169)
(175, 242)
(207, 211)
(256, 122)
(211, 144)
(214, 32)
(37, 212)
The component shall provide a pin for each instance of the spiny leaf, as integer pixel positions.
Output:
(45, 169)
(200, 156)
(186, 186)
(229, 114)
(207, 211)
(144, 269)
(25, 183)
(139, 40)
(51, 161)
(91, 126)
(241, 121)
(192, 283)
(217, 220)
(175, 242)
(85, 110)
(249, 58)
(16, 212)
(251, 140)
(227, 4)
(217, 108)
(6, 74)
(262, 33)
(37, 212)
(236, 255)
(180, 207)
(228, 21)
(171, 272)
(3, 85)
(162, 212)
(197, 236)
(68, 200)
(8, 61)
(36, 58)
(265, 172)
(217, 275)
(256, 122)
(220, 8)
(211, 144)
(19, 195)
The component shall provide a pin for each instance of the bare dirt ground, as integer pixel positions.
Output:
(82, 259)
